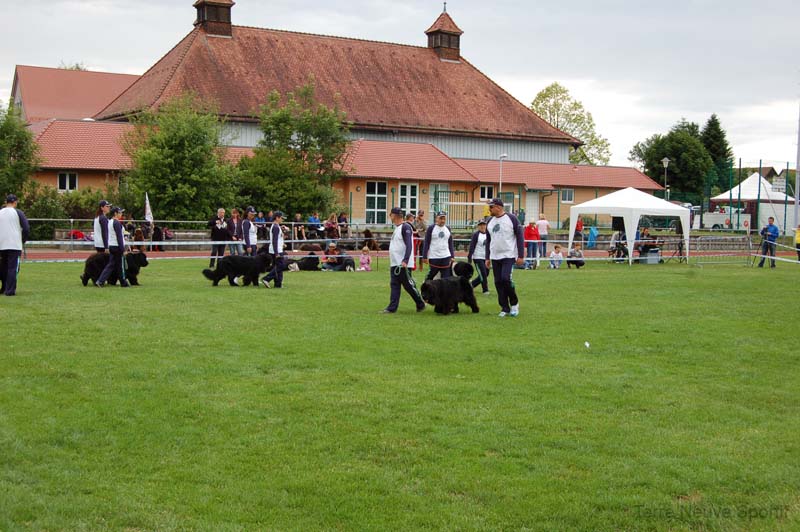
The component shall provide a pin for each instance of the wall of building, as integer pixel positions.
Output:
(248, 135)
(98, 179)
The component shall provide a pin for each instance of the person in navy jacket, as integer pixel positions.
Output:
(438, 251)
(276, 250)
(101, 227)
(505, 246)
(250, 232)
(116, 247)
(401, 247)
(477, 256)
(14, 231)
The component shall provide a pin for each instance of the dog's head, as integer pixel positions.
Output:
(430, 292)
(264, 262)
(463, 269)
(137, 260)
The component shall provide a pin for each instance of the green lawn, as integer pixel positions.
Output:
(180, 406)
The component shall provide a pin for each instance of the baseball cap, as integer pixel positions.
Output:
(277, 214)
(441, 213)
(251, 209)
(104, 203)
(482, 222)
(397, 210)
(115, 210)
(496, 201)
(11, 198)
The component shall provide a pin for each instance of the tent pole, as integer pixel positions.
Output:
(758, 198)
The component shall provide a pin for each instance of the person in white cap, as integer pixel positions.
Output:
(438, 251)
(505, 246)
(14, 231)
(276, 250)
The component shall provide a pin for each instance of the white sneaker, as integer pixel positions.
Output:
(502, 314)
(514, 311)
(265, 283)
(349, 268)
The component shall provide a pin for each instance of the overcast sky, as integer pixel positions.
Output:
(638, 67)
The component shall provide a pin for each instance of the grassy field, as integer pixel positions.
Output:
(180, 406)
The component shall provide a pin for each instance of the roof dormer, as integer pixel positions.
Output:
(214, 16)
(444, 37)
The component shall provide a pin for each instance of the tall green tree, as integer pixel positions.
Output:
(716, 143)
(178, 160)
(689, 163)
(18, 151)
(555, 105)
(301, 154)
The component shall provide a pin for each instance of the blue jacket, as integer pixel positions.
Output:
(770, 232)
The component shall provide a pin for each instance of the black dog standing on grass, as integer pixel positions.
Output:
(446, 294)
(95, 263)
(235, 266)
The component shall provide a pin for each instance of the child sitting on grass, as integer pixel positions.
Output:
(365, 261)
(575, 256)
(556, 258)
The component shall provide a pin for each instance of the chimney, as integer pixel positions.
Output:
(214, 16)
(444, 37)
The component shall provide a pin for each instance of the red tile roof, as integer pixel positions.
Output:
(60, 93)
(403, 160)
(549, 176)
(444, 23)
(68, 144)
(379, 85)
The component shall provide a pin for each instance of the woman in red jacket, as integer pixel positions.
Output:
(531, 235)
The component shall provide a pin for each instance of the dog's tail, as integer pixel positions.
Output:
(209, 274)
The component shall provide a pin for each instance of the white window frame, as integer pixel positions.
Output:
(571, 195)
(405, 199)
(67, 176)
(379, 214)
(487, 192)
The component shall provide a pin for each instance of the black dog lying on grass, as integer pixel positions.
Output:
(446, 294)
(95, 263)
(233, 266)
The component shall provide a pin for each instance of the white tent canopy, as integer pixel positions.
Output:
(630, 204)
(767, 199)
(750, 192)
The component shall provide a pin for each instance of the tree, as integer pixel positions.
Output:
(177, 158)
(555, 105)
(300, 156)
(689, 163)
(72, 66)
(716, 143)
(18, 151)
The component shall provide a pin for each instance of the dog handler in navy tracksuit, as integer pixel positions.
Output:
(276, 250)
(477, 255)
(438, 251)
(101, 227)
(401, 247)
(116, 247)
(14, 231)
(504, 245)
(250, 232)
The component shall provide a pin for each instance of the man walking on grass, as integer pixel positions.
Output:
(505, 246)
(14, 230)
(400, 249)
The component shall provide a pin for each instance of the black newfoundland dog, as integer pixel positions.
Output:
(446, 294)
(233, 266)
(95, 263)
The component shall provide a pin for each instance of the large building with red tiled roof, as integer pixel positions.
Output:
(427, 127)
(44, 93)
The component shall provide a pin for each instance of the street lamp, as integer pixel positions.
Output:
(500, 188)
(665, 162)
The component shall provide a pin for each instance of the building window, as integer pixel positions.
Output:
(376, 202)
(409, 198)
(567, 195)
(67, 181)
(487, 192)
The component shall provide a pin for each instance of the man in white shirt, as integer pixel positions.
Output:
(505, 246)
(14, 231)
(401, 247)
